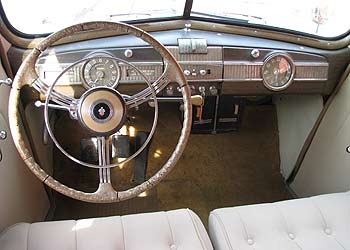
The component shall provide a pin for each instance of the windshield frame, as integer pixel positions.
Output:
(187, 15)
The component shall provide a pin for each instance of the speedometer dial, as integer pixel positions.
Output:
(100, 71)
(278, 71)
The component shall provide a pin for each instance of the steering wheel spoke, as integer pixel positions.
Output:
(62, 101)
(103, 159)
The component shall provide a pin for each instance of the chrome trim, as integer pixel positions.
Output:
(103, 159)
(231, 67)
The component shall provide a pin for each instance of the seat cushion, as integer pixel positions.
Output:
(178, 229)
(320, 222)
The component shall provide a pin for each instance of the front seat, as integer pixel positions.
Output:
(320, 222)
(179, 229)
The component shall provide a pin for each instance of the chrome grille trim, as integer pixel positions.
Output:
(247, 71)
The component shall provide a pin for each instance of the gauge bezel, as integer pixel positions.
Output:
(96, 55)
(292, 65)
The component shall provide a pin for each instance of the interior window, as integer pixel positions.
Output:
(41, 16)
(326, 18)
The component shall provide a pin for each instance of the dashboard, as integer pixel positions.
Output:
(214, 64)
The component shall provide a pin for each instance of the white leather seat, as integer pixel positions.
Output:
(320, 222)
(178, 229)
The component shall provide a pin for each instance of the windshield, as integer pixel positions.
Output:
(43, 16)
(326, 18)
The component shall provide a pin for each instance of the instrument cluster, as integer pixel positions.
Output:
(100, 70)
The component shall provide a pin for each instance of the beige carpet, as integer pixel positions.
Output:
(230, 169)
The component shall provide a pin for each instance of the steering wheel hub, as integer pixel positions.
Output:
(102, 111)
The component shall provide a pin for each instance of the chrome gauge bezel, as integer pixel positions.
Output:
(96, 55)
(291, 78)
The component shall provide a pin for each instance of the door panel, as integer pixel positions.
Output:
(326, 167)
(22, 196)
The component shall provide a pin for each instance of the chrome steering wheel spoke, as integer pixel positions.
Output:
(62, 101)
(103, 149)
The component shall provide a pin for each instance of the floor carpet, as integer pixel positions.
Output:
(221, 170)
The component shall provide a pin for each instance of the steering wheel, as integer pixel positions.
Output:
(101, 111)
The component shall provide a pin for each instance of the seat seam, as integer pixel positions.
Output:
(122, 225)
(170, 228)
(244, 226)
(223, 228)
(75, 233)
(28, 236)
(196, 229)
(325, 222)
(286, 222)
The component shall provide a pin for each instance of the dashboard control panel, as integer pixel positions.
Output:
(210, 70)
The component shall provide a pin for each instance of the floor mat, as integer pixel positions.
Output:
(230, 169)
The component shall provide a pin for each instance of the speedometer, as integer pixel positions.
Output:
(278, 71)
(100, 70)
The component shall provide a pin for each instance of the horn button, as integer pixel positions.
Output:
(102, 111)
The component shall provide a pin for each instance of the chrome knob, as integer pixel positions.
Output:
(201, 90)
(255, 53)
(193, 89)
(213, 90)
(187, 72)
(128, 53)
(347, 149)
(170, 90)
(202, 72)
(3, 135)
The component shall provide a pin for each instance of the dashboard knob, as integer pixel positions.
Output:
(255, 53)
(193, 89)
(201, 90)
(170, 90)
(128, 53)
(202, 72)
(187, 72)
(213, 90)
